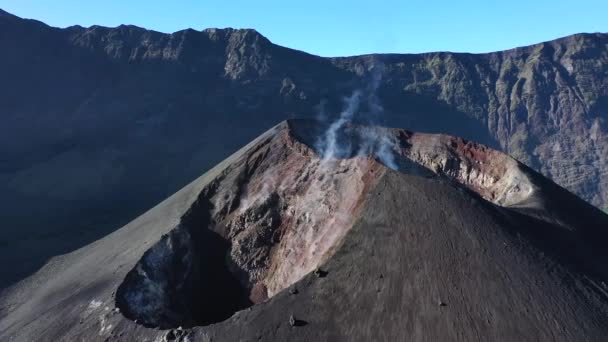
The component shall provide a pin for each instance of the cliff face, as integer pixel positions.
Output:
(99, 124)
(546, 104)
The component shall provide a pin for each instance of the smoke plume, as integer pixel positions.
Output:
(328, 143)
(336, 143)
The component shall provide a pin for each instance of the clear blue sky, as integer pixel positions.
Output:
(337, 27)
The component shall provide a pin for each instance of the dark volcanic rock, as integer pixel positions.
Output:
(476, 247)
(99, 124)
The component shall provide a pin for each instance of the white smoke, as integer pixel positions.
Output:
(373, 141)
(328, 143)
(373, 102)
(385, 152)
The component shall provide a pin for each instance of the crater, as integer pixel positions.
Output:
(275, 214)
(183, 280)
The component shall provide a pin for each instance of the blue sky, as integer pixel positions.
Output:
(339, 28)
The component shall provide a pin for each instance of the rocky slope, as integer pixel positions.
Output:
(398, 236)
(99, 124)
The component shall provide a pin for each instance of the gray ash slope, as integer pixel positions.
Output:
(460, 242)
(117, 119)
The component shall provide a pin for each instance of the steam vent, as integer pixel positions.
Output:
(318, 231)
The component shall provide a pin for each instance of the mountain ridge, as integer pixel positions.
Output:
(256, 32)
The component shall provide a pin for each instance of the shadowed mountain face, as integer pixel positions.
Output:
(99, 124)
(336, 232)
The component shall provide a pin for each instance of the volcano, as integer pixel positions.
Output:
(318, 231)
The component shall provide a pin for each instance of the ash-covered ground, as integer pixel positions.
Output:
(336, 231)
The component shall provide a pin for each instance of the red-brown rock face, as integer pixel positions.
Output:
(303, 203)
(495, 176)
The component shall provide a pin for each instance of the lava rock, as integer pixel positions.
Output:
(320, 273)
